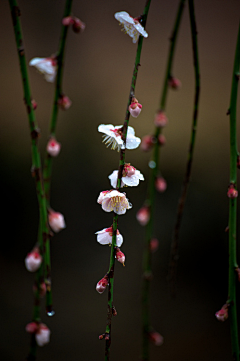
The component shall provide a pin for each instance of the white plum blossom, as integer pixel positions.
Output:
(46, 66)
(56, 221)
(43, 335)
(105, 236)
(130, 176)
(131, 26)
(113, 135)
(114, 201)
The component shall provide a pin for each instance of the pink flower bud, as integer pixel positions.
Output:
(160, 184)
(43, 335)
(68, 21)
(143, 215)
(53, 147)
(34, 104)
(128, 170)
(33, 260)
(232, 192)
(120, 256)
(222, 315)
(56, 221)
(147, 143)
(102, 284)
(31, 327)
(161, 139)
(64, 102)
(78, 25)
(154, 244)
(160, 119)
(238, 273)
(174, 83)
(135, 109)
(156, 338)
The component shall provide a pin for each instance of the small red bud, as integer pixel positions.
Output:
(147, 143)
(156, 338)
(143, 215)
(102, 284)
(154, 244)
(160, 184)
(232, 192)
(222, 315)
(160, 119)
(174, 83)
(120, 256)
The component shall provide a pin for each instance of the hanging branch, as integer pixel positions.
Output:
(47, 170)
(182, 199)
(149, 203)
(232, 194)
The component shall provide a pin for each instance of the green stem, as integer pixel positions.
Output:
(182, 198)
(47, 171)
(34, 131)
(233, 207)
(120, 170)
(151, 190)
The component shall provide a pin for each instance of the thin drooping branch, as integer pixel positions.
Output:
(182, 199)
(151, 190)
(47, 171)
(232, 302)
(120, 171)
(43, 234)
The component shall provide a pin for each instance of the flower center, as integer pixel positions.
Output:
(117, 132)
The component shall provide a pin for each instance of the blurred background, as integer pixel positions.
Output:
(97, 76)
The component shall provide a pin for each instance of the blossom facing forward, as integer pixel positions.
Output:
(114, 201)
(130, 177)
(46, 66)
(105, 236)
(113, 136)
(131, 26)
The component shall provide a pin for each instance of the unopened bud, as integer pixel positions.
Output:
(147, 143)
(154, 244)
(135, 108)
(33, 260)
(160, 119)
(43, 335)
(78, 25)
(232, 192)
(222, 315)
(31, 327)
(68, 20)
(64, 102)
(143, 215)
(102, 284)
(34, 104)
(160, 184)
(120, 256)
(53, 147)
(156, 338)
(161, 139)
(238, 273)
(114, 311)
(174, 83)
(42, 289)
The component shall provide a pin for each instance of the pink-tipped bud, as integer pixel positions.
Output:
(31, 327)
(68, 20)
(78, 25)
(128, 170)
(147, 143)
(120, 257)
(160, 184)
(174, 83)
(53, 147)
(114, 311)
(232, 192)
(102, 284)
(34, 104)
(143, 215)
(161, 139)
(64, 102)
(156, 338)
(33, 260)
(42, 289)
(222, 315)
(135, 109)
(43, 335)
(56, 221)
(154, 244)
(160, 119)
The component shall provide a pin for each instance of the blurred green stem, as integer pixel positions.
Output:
(182, 198)
(120, 170)
(233, 207)
(47, 171)
(151, 191)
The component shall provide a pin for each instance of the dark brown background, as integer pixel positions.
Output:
(97, 75)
